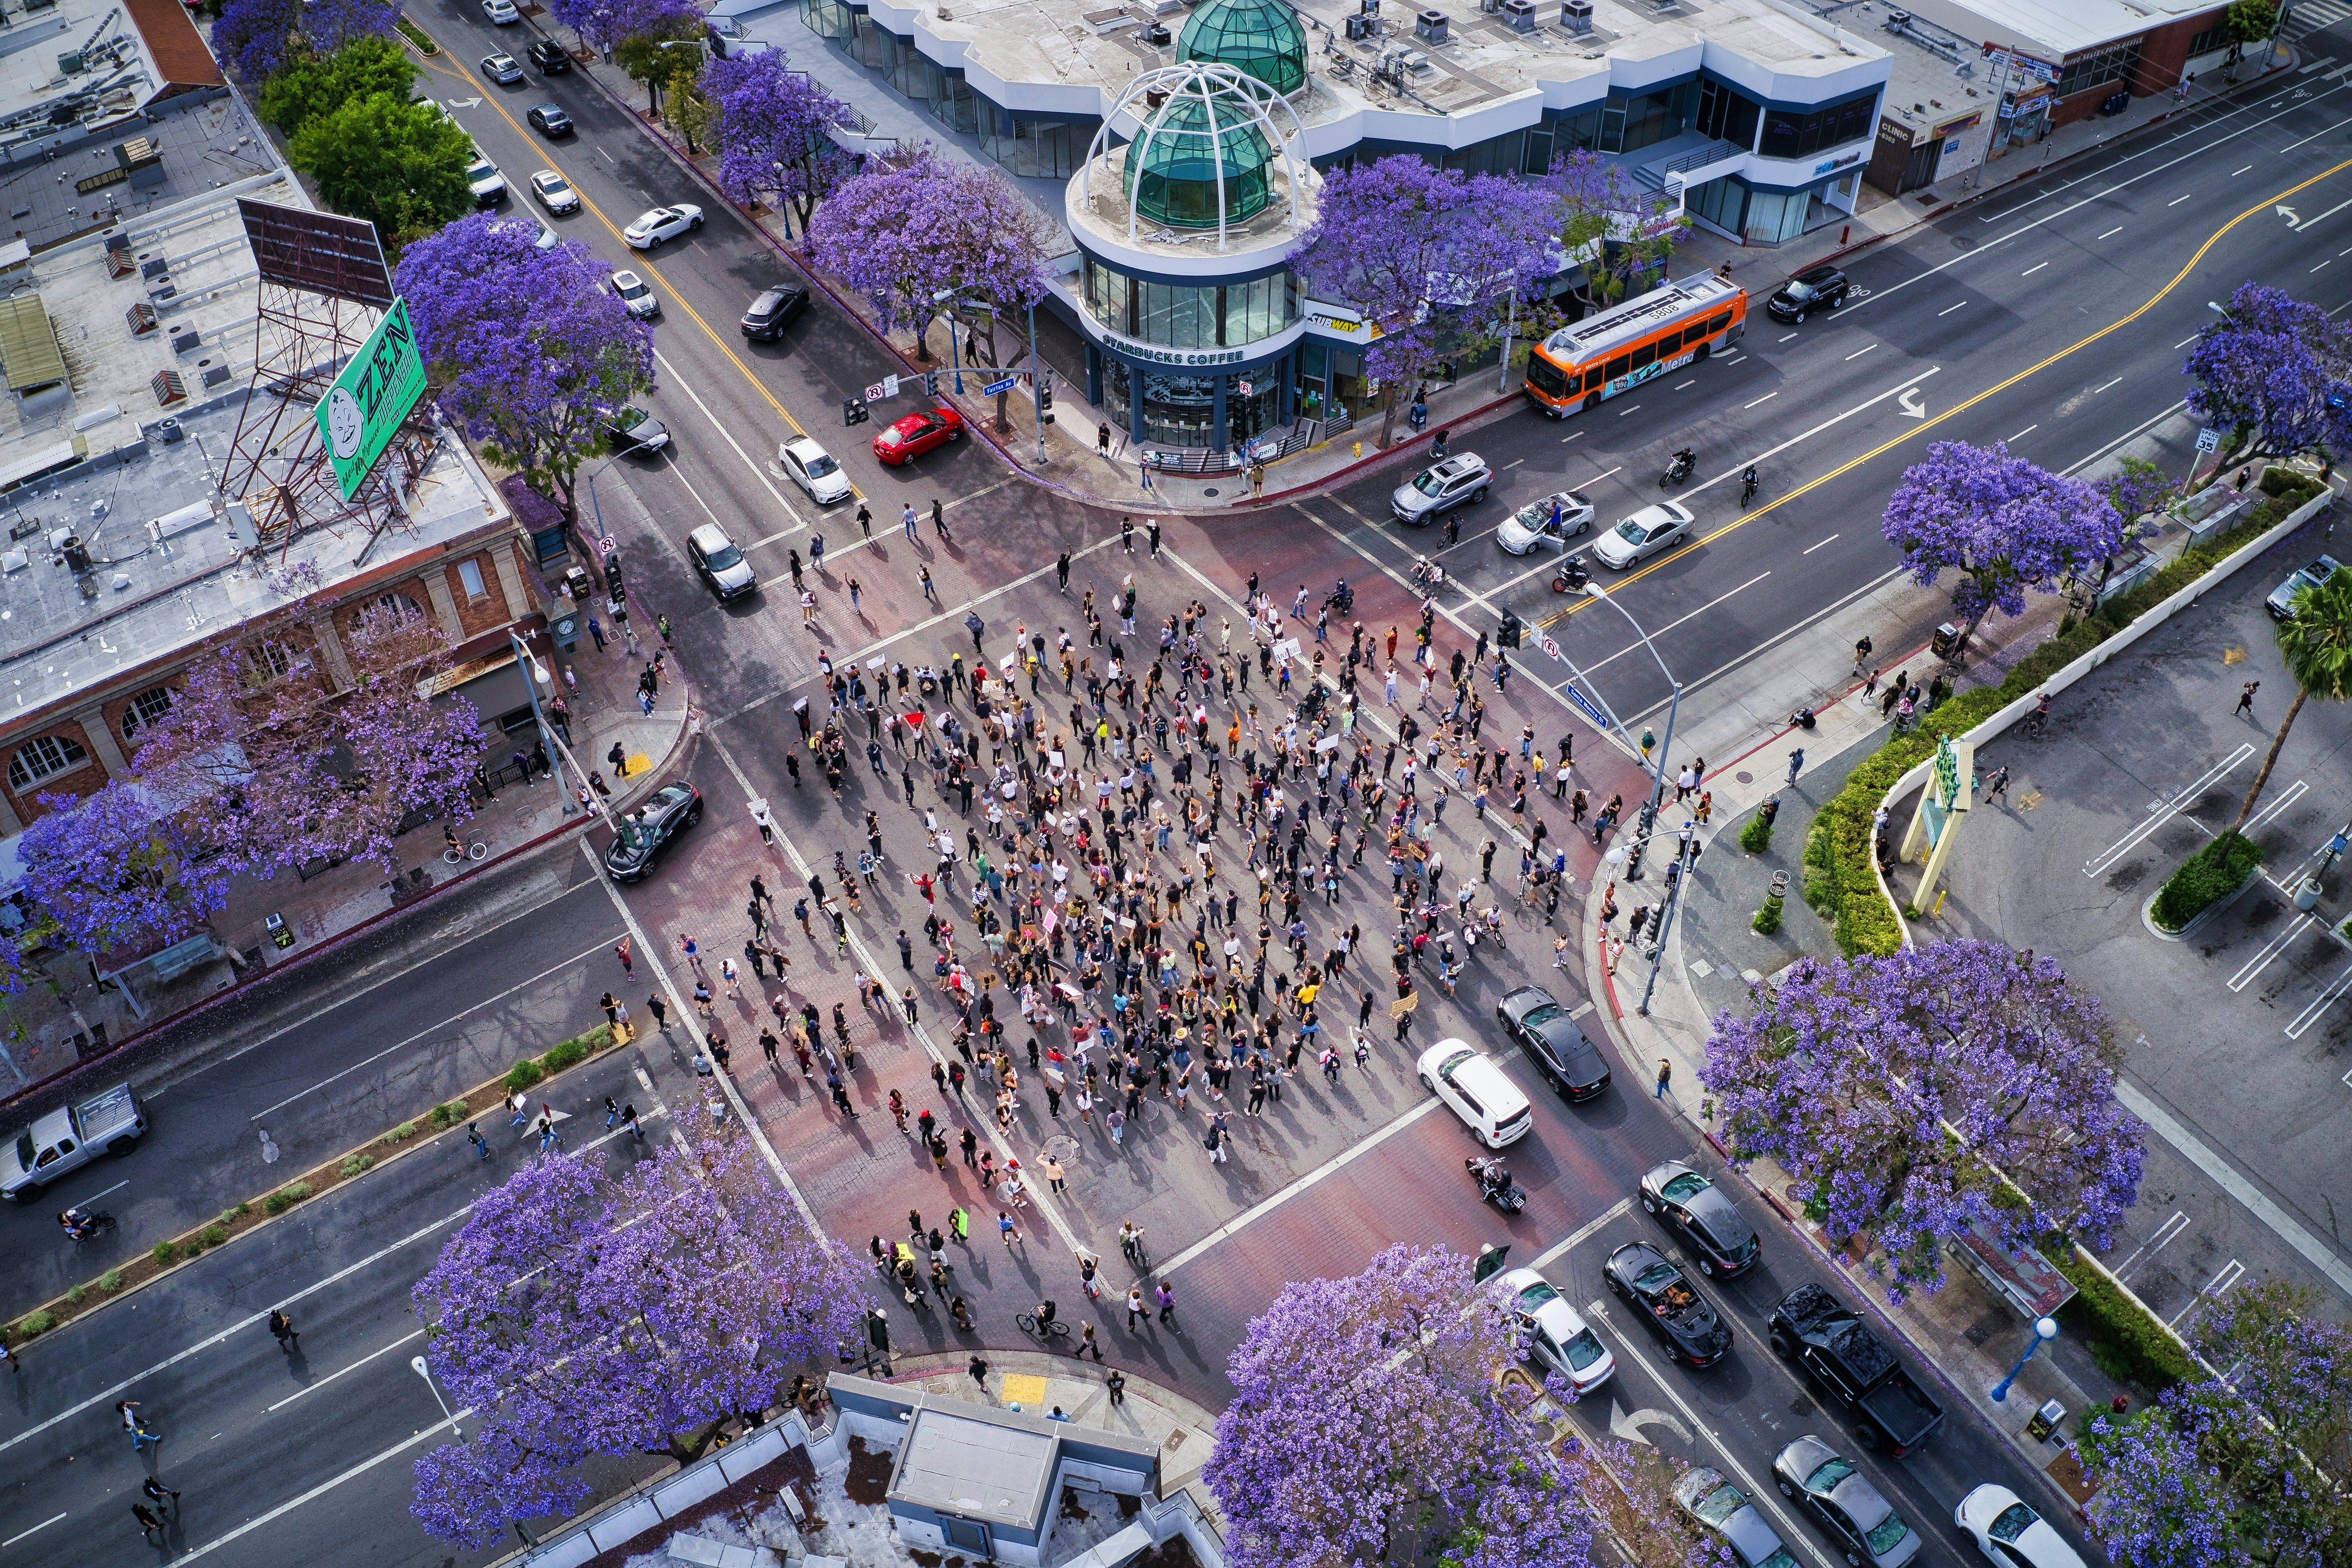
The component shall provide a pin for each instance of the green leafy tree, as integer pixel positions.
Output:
(685, 105)
(400, 164)
(2317, 644)
(645, 56)
(1618, 231)
(2248, 22)
(312, 86)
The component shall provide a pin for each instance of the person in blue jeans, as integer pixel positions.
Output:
(1666, 1075)
(129, 1410)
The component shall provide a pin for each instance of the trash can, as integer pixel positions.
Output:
(1946, 640)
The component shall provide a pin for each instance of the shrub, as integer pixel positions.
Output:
(111, 1281)
(164, 1252)
(2103, 1315)
(417, 36)
(402, 1133)
(1756, 837)
(1768, 919)
(231, 1215)
(213, 1235)
(35, 1323)
(74, 1296)
(2211, 874)
(449, 1114)
(192, 1248)
(357, 1166)
(522, 1075)
(570, 1053)
(298, 1191)
(1821, 886)
(276, 1203)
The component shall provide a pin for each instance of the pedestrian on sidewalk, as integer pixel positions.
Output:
(1136, 1311)
(1167, 1300)
(906, 522)
(281, 1326)
(1116, 1386)
(2246, 698)
(628, 958)
(619, 759)
(661, 624)
(940, 522)
(596, 631)
(1061, 572)
(865, 519)
(1054, 1173)
(1006, 1231)
(612, 1006)
(1861, 654)
(1086, 1342)
(976, 1366)
(1997, 788)
(923, 576)
(1796, 764)
(1666, 1075)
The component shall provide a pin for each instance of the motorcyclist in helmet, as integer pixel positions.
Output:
(76, 1222)
(1493, 1176)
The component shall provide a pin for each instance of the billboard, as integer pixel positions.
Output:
(364, 409)
(323, 252)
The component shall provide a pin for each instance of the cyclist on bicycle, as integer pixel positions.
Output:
(1045, 1310)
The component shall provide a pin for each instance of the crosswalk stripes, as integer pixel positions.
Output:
(2311, 16)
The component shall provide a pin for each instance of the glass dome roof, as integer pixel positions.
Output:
(1263, 38)
(1172, 168)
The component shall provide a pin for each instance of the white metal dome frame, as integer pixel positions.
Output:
(1207, 81)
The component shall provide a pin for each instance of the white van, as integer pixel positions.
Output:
(1477, 1091)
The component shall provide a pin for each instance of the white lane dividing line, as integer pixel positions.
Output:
(2329, 262)
(1808, 549)
(1897, 390)
(2346, 251)
(1763, 400)
(2235, 173)
(431, 1029)
(2164, 811)
(1860, 351)
(2029, 430)
(2278, 945)
(2186, 340)
(1578, 436)
(34, 1531)
(1680, 385)
(2112, 232)
(321, 1489)
(1621, 653)
(758, 471)
(1623, 412)
(1605, 473)
(2032, 270)
(1583, 1232)
(2178, 200)
(332, 1375)
(1786, 339)
(2097, 390)
(1948, 310)
(95, 1196)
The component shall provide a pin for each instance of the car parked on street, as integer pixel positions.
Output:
(504, 69)
(549, 57)
(768, 316)
(1725, 1510)
(637, 295)
(1821, 287)
(1643, 534)
(812, 469)
(554, 193)
(720, 563)
(483, 179)
(501, 12)
(1554, 1335)
(2011, 1534)
(662, 224)
(2281, 604)
(1693, 1332)
(651, 828)
(1554, 520)
(918, 433)
(549, 119)
(1477, 1091)
(632, 429)
(1539, 1025)
(1853, 1513)
(1450, 482)
(1721, 1241)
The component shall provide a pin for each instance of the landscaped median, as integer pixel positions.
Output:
(1840, 877)
(252, 1214)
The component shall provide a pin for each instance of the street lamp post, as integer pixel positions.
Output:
(2043, 1329)
(1685, 855)
(1665, 748)
(416, 1364)
(1037, 373)
(536, 675)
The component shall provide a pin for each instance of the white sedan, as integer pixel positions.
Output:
(501, 12)
(555, 192)
(1643, 534)
(2011, 1534)
(1553, 1335)
(1553, 520)
(662, 223)
(636, 294)
(814, 470)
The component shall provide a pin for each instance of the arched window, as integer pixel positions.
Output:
(43, 758)
(146, 710)
(265, 662)
(401, 606)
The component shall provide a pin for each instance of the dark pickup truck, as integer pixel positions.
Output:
(1853, 1371)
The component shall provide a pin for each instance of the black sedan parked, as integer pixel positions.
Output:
(647, 830)
(1723, 1242)
(1692, 1330)
(1541, 1027)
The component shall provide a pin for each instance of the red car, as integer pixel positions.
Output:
(918, 434)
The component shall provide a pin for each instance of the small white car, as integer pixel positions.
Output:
(637, 295)
(501, 12)
(814, 469)
(1477, 1091)
(1554, 1334)
(482, 178)
(1643, 534)
(1553, 520)
(661, 224)
(2011, 1534)
(555, 192)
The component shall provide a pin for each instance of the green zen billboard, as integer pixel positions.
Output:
(366, 407)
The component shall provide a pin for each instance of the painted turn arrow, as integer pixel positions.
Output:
(464, 102)
(1628, 1428)
(1914, 405)
(2287, 213)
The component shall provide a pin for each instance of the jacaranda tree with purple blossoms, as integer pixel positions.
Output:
(770, 125)
(581, 1315)
(603, 24)
(2247, 1473)
(110, 875)
(1618, 231)
(2003, 524)
(1367, 1428)
(1922, 1090)
(2275, 374)
(527, 348)
(253, 38)
(1432, 256)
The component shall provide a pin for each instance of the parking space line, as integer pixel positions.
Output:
(2293, 793)
(2164, 1236)
(2320, 1003)
(2164, 812)
(2278, 945)
(1582, 1233)
(2227, 1276)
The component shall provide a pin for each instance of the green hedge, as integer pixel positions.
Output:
(1756, 837)
(2212, 873)
(2127, 1342)
(1838, 880)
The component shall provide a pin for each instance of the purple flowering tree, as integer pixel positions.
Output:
(603, 24)
(527, 348)
(253, 36)
(579, 1315)
(770, 123)
(1368, 1427)
(328, 25)
(2239, 1473)
(1920, 1091)
(1617, 231)
(1432, 256)
(2003, 524)
(2275, 374)
(112, 876)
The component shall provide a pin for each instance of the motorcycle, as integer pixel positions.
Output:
(1678, 471)
(1504, 1194)
(1572, 573)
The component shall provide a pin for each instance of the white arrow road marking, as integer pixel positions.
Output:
(2287, 213)
(1628, 1428)
(1914, 405)
(465, 103)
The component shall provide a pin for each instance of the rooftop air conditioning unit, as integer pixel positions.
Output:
(1520, 14)
(1576, 15)
(186, 338)
(1429, 27)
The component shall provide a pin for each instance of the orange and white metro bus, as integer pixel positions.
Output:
(1614, 350)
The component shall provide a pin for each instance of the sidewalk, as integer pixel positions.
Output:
(74, 1021)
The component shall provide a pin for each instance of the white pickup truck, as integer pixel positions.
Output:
(69, 1137)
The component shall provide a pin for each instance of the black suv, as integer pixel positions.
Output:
(773, 311)
(1815, 289)
(548, 57)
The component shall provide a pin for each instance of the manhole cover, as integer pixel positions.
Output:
(1965, 241)
(1063, 1147)
(1745, 778)
(1210, 491)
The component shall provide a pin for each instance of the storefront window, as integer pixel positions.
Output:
(1178, 410)
(1249, 416)
(1790, 135)
(1178, 315)
(1775, 217)
(1191, 316)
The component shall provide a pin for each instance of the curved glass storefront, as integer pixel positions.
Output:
(1189, 315)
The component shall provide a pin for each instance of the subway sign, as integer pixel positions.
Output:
(365, 407)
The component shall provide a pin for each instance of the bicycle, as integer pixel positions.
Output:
(1029, 1323)
(457, 854)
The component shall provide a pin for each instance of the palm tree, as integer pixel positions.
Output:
(2316, 643)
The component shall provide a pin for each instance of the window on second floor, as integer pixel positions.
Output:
(44, 757)
(470, 572)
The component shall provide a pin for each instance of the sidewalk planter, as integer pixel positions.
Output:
(2207, 883)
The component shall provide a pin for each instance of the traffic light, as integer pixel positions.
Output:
(1507, 634)
(1045, 400)
(930, 384)
(853, 411)
(613, 574)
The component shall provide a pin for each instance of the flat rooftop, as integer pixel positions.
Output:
(84, 65)
(980, 1465)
